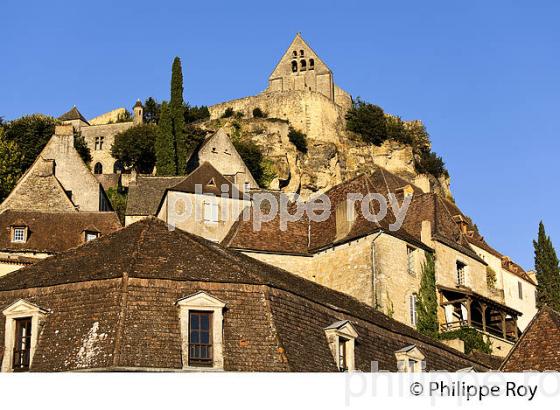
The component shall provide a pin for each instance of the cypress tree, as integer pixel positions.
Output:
(177, 112)
(426, 303)
(547, 270)
(164, 145)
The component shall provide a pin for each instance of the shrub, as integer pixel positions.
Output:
(472, 338)
(431, 163)
(260, 167)
(117, 198)
(135, 147)
(81, 146)
(299, 139)
(491, 278)
(258, 113)
(228, 112)
(367, 120)
(396, 130)
(196, 113)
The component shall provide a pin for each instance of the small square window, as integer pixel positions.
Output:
(18, 234)
(90, 236)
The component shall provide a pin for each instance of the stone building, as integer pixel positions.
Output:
(58, 180)
(100, 135)
(301, 90)
(149, 299)
(29, 236)
(381, 267)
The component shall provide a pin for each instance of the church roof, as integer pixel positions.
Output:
(73, 114)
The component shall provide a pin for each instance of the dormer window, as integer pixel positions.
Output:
(201, 317)
(410, 360)
(345, 217)
(23, 324)
(19, 234)
(462, 223)
(341, 337)
(91, 235)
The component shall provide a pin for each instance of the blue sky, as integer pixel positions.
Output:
(482, 75)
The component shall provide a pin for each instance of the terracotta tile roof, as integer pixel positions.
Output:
(108, 181)
(210, 181)
(280, 316)
(538, 348)
(145, 195)
(54, 232)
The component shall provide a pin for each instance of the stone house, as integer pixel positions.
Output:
(205, 203)
(29, 236)
(100, 136)
(149, 299)
(58, 180)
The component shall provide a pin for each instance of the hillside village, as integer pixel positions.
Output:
(83, 286)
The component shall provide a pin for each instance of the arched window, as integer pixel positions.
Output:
(118, 167)
(294, 53)
(294, 66)
(301, 53)
(98, 168)
(311, 64)
(303, 65)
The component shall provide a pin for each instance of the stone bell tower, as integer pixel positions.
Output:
(138, 113)
(300, 68)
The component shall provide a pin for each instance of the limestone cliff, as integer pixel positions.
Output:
(328, 161)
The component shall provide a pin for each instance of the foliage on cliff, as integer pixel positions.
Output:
(299, 139)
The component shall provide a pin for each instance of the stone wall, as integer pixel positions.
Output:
(108, 132)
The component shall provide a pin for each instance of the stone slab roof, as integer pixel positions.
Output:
(111, 305)
(538, 348)
(146, 194)
(73, 114)
(54, 232)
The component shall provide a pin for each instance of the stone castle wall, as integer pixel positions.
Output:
(108, 132)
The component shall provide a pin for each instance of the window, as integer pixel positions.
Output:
(461, 273)
(246, 186)
(19, 234)
(201, 322)
(90, 235)
(301, 53)
(22, 345)
(410, 259)
(412, 308)
(294, 66)
(294, 53)
(200, 338)
(341, 337)
(410, 360)
(311, 64)
(99, 143)
(210, 212)
(303, 65)
(98, 168)
(118, 167)
(23, 321)
(520, 290)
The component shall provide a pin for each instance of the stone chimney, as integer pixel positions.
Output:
(426, 233)
(64, 135)
(138, 113)
(423, 182)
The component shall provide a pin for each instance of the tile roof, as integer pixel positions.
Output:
(538, 348)
(54, 232)
(157, 264)
(210, 181)
(73, 114)
(145, 195)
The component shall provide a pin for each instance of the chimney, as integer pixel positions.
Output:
(423, 182)
(65, 129)
(426, 233)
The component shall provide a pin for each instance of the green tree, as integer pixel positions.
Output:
(396, 130)
(10, 165)
(430, 163)
(117, 198)
(164, 144)
(31, 133)
(152, 110)
(547, 270)
(426, 303)
(194, 113)
(177, 114)
(135, 147)
(81, 146)
(367, 120)
(260, 167)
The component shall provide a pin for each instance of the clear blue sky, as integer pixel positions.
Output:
(484, 76)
